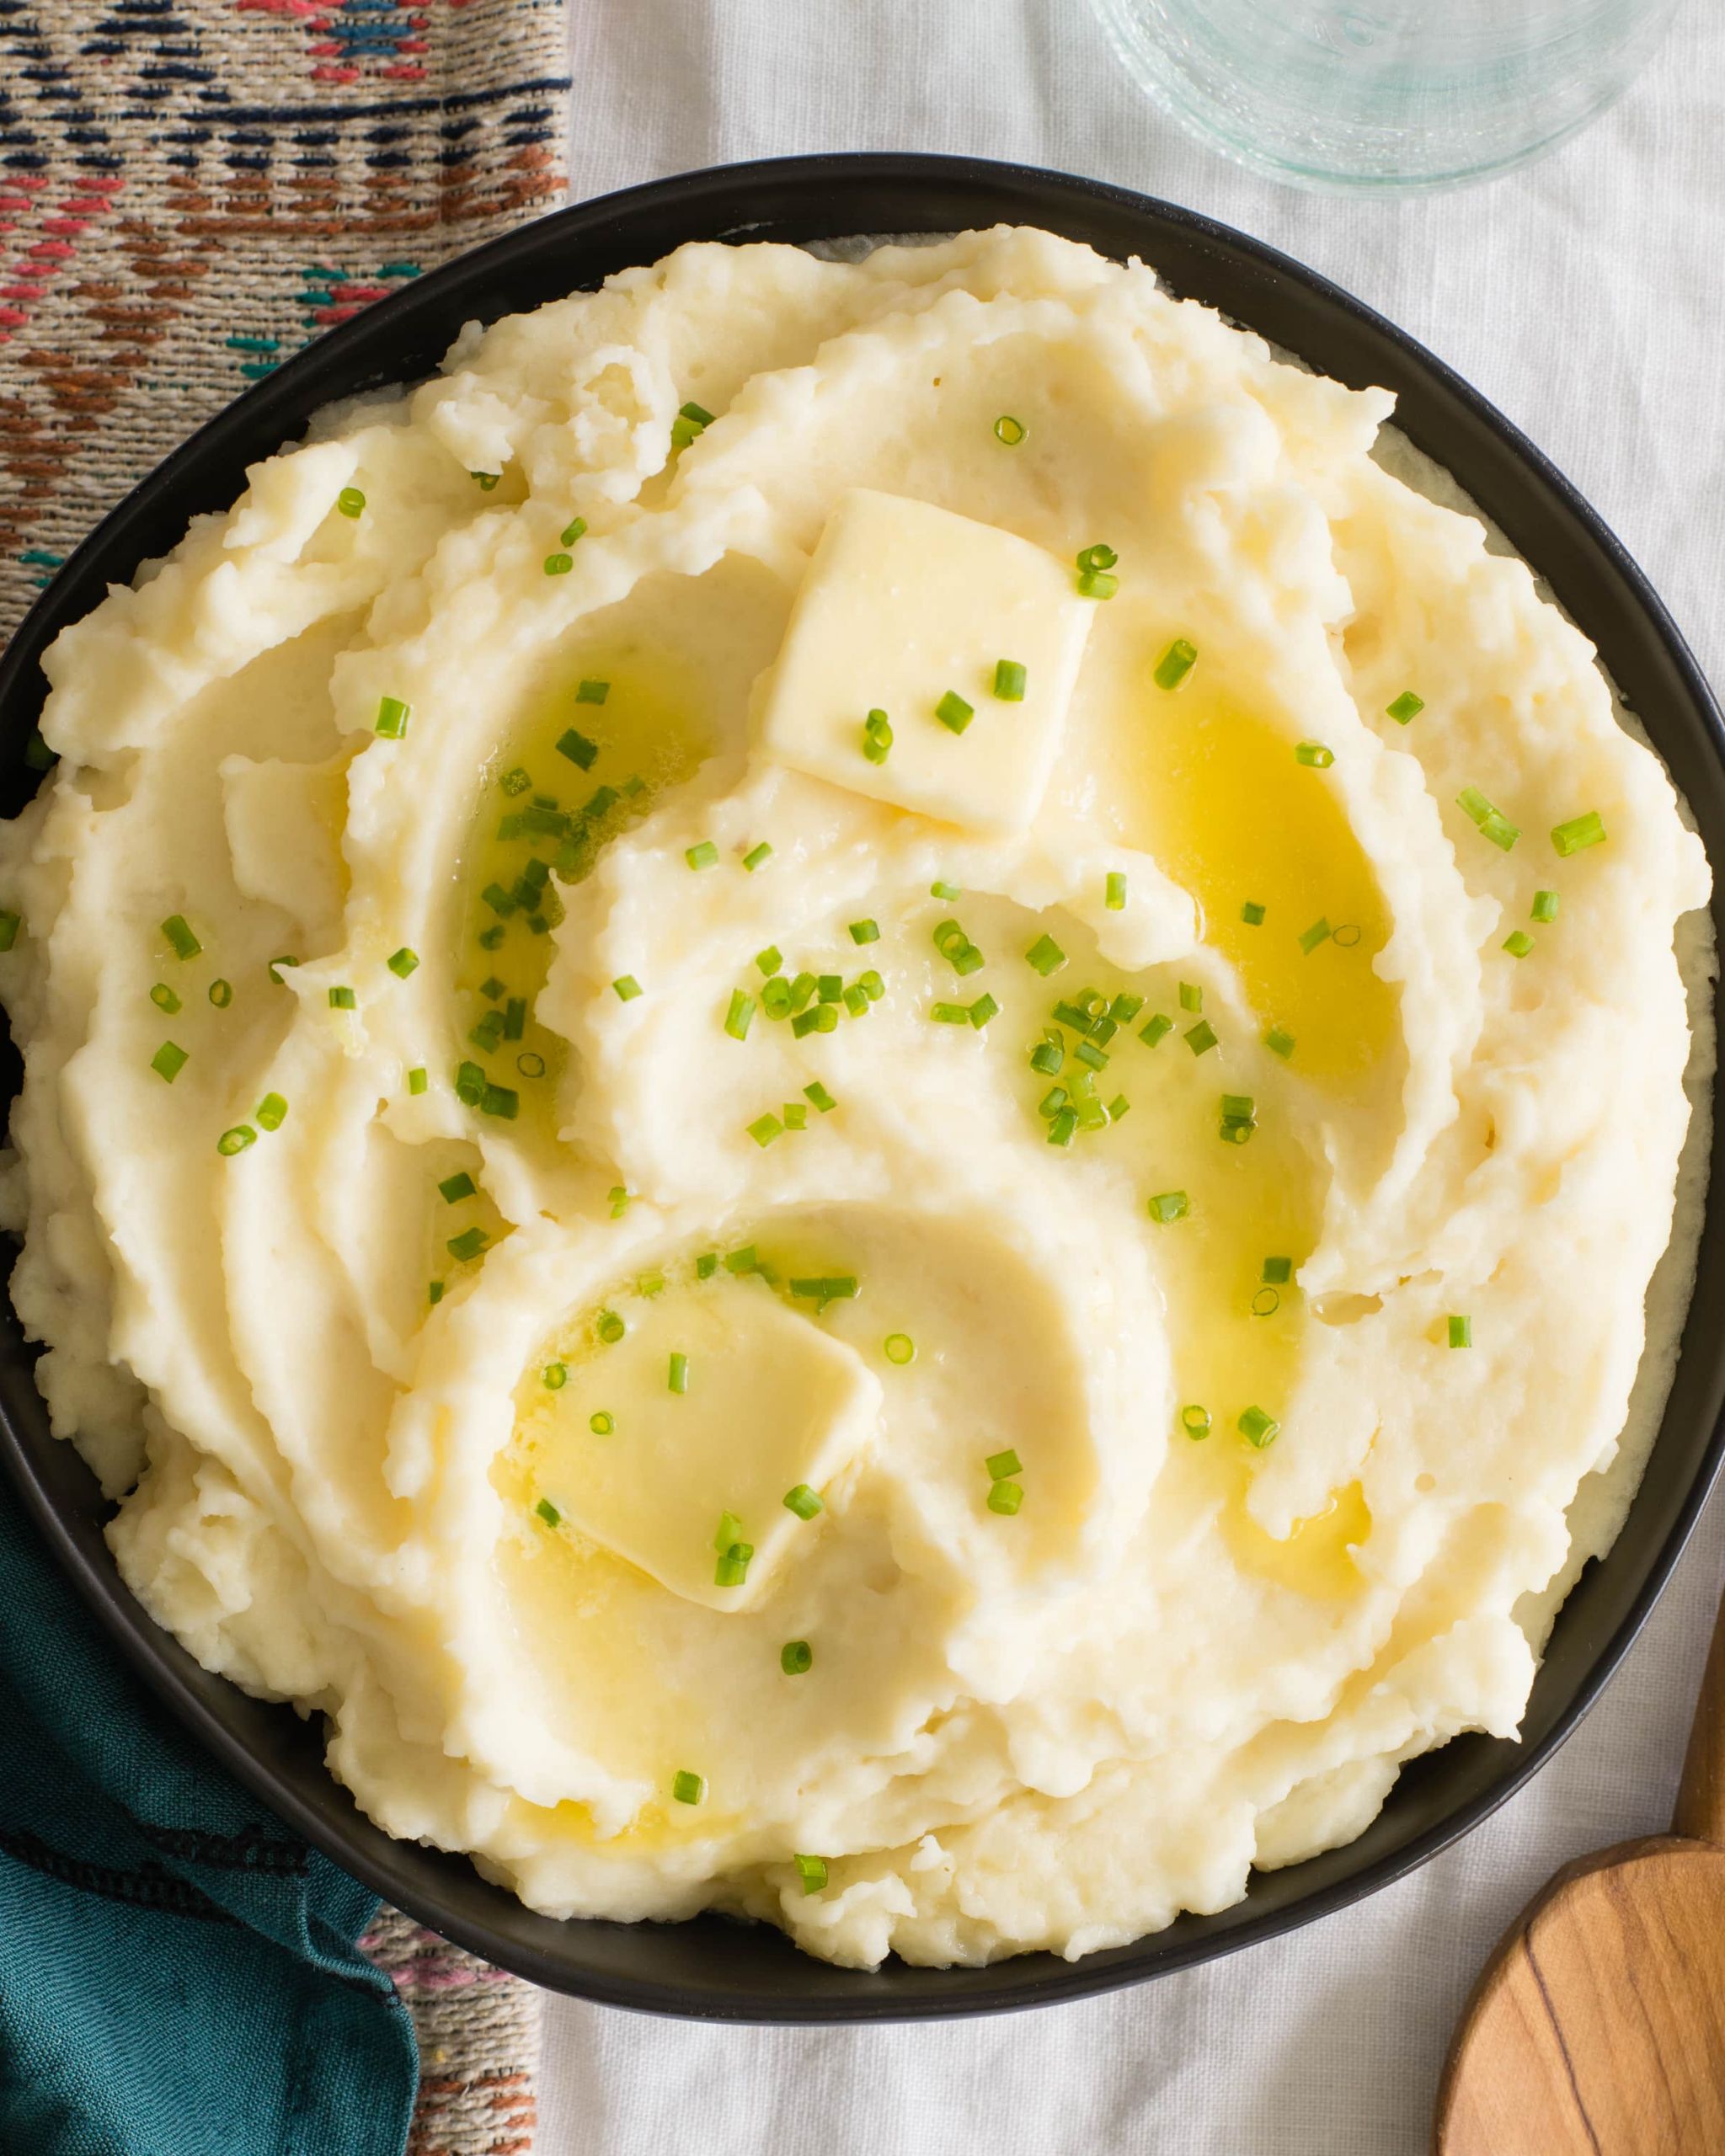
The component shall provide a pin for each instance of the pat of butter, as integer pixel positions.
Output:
(905, 604)
(772, 1402)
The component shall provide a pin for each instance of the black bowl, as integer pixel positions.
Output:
(711, 1967)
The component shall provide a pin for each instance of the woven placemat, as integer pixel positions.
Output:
(188, 193)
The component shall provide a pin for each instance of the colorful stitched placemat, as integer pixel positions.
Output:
(188, 193)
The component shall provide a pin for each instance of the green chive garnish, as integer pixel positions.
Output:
(274, 962)
(703, 856)
(404, 962)
(627, 987)
(179, 935)
(578, 749)
(1046, 956)
(610, 1328)
(456, 1188)
(1202, 1038)
(350, 502)
(1491, 823)
(1407, 706)
(1277, 1271)
(1194, 1421)
(871, 985)
(803, 1501)
(765, 1129)
(953, 712)
(1309, 938)
(468, 1244)
(950, 1014)
(796, 1658)
(1578, 832)
(169, 1060)
(1168, 1205)
(982, 1010)
(771, 959)
(592, 692)
(500, 1101)
(877, 737)
(222, 994)
(559, 564)
(899, 1349)
(864, 932)
(1006, 1498)
(1258, 1428)
(1518, 943)
(824, 1101)
(755, 855)
(235, 1140)
(1280, 1043)
(1191, 995)
(732, 1569)
(1114, 897)
(271, 1111)
(741, 1012)
(392, 717)
(1544, 905)
(1000, 1464)
(575, 529)
(1460, 1332)
(688, 1788)
(418, 1079)
(602, 1424)
(342, 999)
(950, 892)
(1009, 680)
(554, 1376)
(1176, 663)
(1009, 430)
(10, 923)
(1251, 913)
(1315, 754)
(1155, 1029)
(546, 1510)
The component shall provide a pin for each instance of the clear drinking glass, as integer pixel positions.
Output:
(1383, 93)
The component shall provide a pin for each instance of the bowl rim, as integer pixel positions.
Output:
(400, 338)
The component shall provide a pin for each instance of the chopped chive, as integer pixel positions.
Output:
(235, 1140)
(829, 1288)
(161, 996)
(1092, 558)
(1000, 1464)
(982, 1010)
(179, 935)
(490, 938)
(418, 1079)
(1280, 1043)
(468, 1244)
(1048, 1057)
(707, 1265)
(559, 564)
(1460, 1332)
(1052, 1102)
(1251, 913)
(618, 1200)
(740, 1262)
(169, 1060)
(802, 988)
(627, 987)
(950, 892)
(679, 1377)
(499, 901)
(1088, 1053)
(755, 855)
(592, 692)
(1578, 832)
(871, 985)
(1258, 1428)
(775, 997)
(824, 1101)
(738, 1016)
(486, 480)
(769, 960)
(856, 1001)
(1009, 680)
(1314, 754)
(1064, 1127)
(1277, 1271)
(456, 1188)
(274, 962)
(37, 754)
(222, 994)
(950, 1014)
(1169, 1205)
(578, 749)
(765, 1129)
(1518, 943)
(1194, 1421)
(602, 1424)
(1092, 584)
(796, 1658)
(1238, 1108)
(1046, 956)
(515, 782)
(864, 932)
(1191, 996)
(404, 962)
(1115, 892)
(515, 1018)
(795, 1115)
(392, 717)
(703, 856)
(953, 712)
(500, 1101)
(830, 987)
(1493, 825)
(1407, 706)
(469, 1083)
(1006, 1498)
(1155, 1029)
(1009, 431)
(575, 529)
(342, 999)
(1309, 938)
(803, 1501)
(732, 1569)
(824, 1019)
(1202, 1038)
(1544, 905)
(350, 502)
(1176, 663)
(899, 1349)
(688, 1788)
(877, 737)
(1118, 1106)
(610, 1328)
(546, 1510)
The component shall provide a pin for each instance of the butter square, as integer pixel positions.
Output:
(904, 604)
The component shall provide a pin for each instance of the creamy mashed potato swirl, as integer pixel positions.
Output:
(456, 1230)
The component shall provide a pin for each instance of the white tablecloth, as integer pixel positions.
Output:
(1586, 297)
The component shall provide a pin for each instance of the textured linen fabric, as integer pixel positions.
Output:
(1585, 295)
(179, 1975)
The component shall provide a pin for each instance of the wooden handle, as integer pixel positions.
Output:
(1700, 1795)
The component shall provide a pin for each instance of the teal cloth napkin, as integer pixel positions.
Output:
(179, 1975)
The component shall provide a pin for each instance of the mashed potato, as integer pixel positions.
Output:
(852, 1091)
